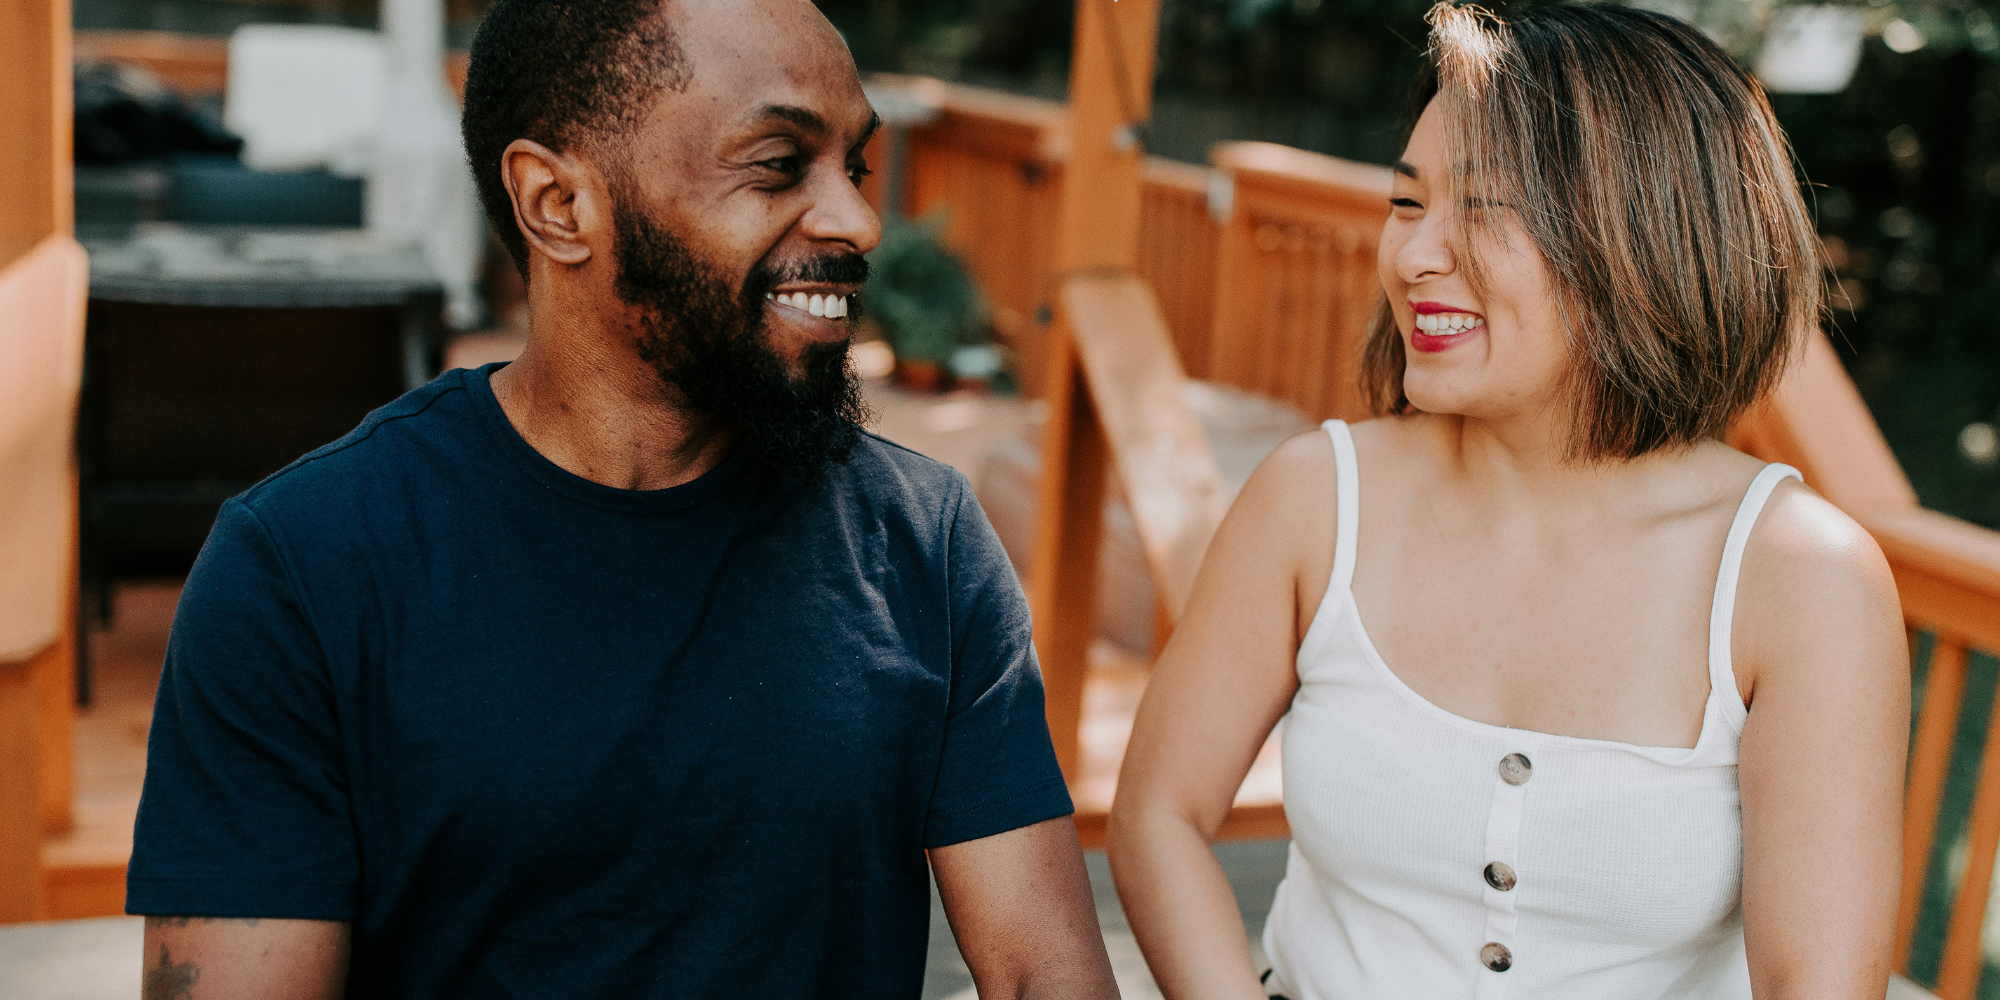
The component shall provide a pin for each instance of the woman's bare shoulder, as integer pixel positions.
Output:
(1303, 467)
(1813, 583)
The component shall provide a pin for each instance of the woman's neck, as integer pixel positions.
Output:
(1523, 467)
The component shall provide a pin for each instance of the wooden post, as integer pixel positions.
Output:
(53, 675)
(1110, 101)
(1069, 520)
(35, 112)
(1097, 227)
(35, 708)
(1930, 764)
(20, 779)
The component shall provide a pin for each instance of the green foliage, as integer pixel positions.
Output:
(920, 293)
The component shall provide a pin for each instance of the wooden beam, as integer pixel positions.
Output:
(199, 64)
(191, 64)
(1069, 523)
(1110, 101)
(1164, 461)
(1097, 226)
(53, 675)
(1930, 765)
(35, 113)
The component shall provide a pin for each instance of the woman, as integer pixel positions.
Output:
(1579, 701)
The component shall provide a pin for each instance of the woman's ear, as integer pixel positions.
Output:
(556, 200)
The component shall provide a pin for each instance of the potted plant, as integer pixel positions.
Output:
(923, 300)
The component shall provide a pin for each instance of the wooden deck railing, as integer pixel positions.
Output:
(1273, 243)
(1296, 286)
(1259, 272)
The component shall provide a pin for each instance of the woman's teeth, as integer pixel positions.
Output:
(829, 306)
(1448, 323)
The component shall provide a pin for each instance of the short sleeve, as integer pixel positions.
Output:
(998, 771)
(245, 811)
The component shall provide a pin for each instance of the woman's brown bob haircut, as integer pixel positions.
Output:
(1648, 170)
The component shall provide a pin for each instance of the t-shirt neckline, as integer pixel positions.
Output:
(478, 383)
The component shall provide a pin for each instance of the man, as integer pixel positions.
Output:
(632, 668)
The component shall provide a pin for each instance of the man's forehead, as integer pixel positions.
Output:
(754, 60)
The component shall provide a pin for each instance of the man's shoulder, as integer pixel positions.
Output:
(378, 448)
(879, 459)
(879, 465)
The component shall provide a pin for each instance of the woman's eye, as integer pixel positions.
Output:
(782, 164)
(1410, 203)
(856, 174)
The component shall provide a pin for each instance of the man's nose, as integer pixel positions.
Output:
(840, 215)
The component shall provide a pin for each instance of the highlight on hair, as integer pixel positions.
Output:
(1648, 170)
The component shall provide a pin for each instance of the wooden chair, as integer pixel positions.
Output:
(42, 280)
(41, 363)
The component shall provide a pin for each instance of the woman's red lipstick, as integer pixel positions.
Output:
(1433, 341)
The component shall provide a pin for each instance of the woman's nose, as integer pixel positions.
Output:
(1428, 253)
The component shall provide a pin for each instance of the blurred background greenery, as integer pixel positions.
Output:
(1904, 163)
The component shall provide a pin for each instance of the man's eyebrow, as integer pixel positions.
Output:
(804, 118)
(874, 124)
(1406, 170)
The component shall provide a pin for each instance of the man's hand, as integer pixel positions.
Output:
(214, 958)
(1019, 903)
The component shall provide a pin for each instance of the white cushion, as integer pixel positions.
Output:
(41, 369)
(1903, 989)
(304, 96)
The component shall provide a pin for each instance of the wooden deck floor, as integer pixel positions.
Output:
(86, 867)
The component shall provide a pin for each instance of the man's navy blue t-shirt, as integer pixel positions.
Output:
(538, 737)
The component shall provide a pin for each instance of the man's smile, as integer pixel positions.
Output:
(820, 310)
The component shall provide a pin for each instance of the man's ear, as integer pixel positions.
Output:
(558, 200)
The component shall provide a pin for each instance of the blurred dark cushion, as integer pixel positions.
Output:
(225, 192)
(124, 114)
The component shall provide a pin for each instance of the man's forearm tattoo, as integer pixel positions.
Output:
(170, 980)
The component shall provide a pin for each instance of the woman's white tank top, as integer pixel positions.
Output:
(1437, 857)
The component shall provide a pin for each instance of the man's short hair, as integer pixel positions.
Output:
(569, 74)
(1648, 171)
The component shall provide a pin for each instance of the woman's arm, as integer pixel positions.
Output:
(1221, 684)
(1819, 639)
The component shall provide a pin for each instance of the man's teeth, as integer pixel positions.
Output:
(829, 306)
(1448, 322)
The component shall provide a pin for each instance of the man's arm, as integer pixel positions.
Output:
(213, 958)
(1020, 906)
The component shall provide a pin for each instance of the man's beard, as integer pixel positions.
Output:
(708, 343)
